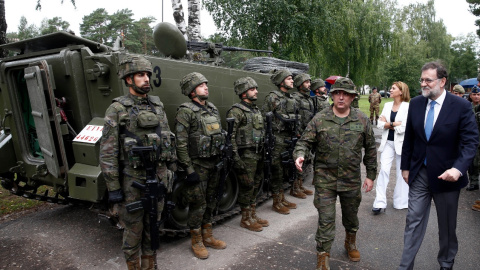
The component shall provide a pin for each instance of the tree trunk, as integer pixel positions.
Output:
(3, 28)
(194, 25)
(179, 17)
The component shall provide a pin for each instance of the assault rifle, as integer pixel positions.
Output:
(215, 49)
(225, 166)
(269, 145)
(154, 191)
(287, 156)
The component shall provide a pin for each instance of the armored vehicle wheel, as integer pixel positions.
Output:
(230, 194)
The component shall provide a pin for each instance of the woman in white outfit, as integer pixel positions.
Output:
(392, 121)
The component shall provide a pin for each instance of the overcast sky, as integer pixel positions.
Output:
(455, 14)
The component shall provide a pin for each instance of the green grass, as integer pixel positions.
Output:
(10, 203)
(364, 106)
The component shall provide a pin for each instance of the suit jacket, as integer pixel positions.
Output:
(453, 142)
(399, 130)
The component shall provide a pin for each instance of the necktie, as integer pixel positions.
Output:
(429, 121)
(429, 124)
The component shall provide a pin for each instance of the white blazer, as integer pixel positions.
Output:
(399, 130)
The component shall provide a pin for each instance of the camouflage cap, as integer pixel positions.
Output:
(458, 88)
(478, 77)
(190, 81)
(475, 90)
(279, 75)
(300, 78)
(243, 84)
(132, 64)
(317, 83)
(344, 84)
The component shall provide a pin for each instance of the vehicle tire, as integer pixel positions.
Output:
(230, 194)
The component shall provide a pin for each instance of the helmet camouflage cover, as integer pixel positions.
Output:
(243, 84)
(132, 64)
(344, 84)
(300, 78)
(458, 88)
(190, 81)
(317, 83)
(279, 75)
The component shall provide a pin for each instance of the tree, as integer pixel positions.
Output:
(26, 31)
(3, 28)
(53, 25)
(95, 26)
(465, 62)
(192, 32)
(39, 6)
(475, 10)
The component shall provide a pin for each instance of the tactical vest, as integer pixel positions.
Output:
(251, 133)
(285, 111)
(306, 108)
(208, 139)
(145, 125)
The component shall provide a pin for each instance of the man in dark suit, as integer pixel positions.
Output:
(439, 146)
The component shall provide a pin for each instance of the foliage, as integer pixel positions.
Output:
(39, 4)
(465, 62)
(53, 25)
(475, 10)
(26, 31)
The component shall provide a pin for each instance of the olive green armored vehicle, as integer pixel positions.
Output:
(53, 97)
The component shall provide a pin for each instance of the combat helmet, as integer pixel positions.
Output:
(344, 84)
(279, 75)
(243, 84)
(132, 64)
(300, 78)
(190, 81)
(458, 88)
(317, 83)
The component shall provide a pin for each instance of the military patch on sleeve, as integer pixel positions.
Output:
(356, 126)
(180, 128)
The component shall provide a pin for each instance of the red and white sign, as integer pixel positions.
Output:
(89, 134)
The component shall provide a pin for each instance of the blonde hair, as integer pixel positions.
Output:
(405, 91)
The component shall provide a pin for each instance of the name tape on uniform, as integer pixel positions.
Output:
(89, 134)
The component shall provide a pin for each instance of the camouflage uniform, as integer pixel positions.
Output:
(374, 99)
(338, 144)
(247, 140)
(474, 169)
(131, 113)
(283, 106)
(319, 102)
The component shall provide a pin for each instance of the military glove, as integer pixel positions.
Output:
(115, 196)
(193, 178)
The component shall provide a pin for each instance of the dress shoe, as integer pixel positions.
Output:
(472, 187)
(446, 268)
(377, 211)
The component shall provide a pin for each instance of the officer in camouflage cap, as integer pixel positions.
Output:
(338, 135)
(199, 142)
(306, 110)
(122, 131)
(247, 140)
(458, 90)
(374, 99)
(284, 107)
(320, 100)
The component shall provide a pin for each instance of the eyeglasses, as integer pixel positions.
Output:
(427, 81)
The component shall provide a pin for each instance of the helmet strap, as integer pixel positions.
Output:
(136, 88)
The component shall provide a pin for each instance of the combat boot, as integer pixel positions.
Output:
(353, 253)
(259, 220)
(287, 204)
(133, 265)
(209, 240)
(323, 261)
(278, 205)
(295, 190)
(148, 262)
(476, 207)
(249, 223)
(198, 248)
(303, 189)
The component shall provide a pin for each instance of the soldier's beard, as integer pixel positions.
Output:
(252, 97)
(202, 97)
(142, 90)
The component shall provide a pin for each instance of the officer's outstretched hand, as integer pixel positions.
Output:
(115, 196)
(193, 178)
(299, 163)
(367, 184)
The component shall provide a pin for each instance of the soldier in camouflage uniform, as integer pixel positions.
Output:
(474, 169)
(338, 135)
(374, 99)
(135, 119)
(283, 106)
(458, 90)
(306, 109)
(247, 140)
(320, 100)
(199, 141)
(476, 110)
(356, 99)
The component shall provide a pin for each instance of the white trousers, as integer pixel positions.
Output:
(400, 193)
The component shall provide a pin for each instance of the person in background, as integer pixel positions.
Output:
(374, 99)
(458, 90)
(392, 121)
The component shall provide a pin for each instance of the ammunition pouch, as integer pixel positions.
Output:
(147, 119)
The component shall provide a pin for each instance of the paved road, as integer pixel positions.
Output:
(68, 237)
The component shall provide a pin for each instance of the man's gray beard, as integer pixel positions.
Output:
(433, 93)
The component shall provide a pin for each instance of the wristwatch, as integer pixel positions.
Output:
(391, 124)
